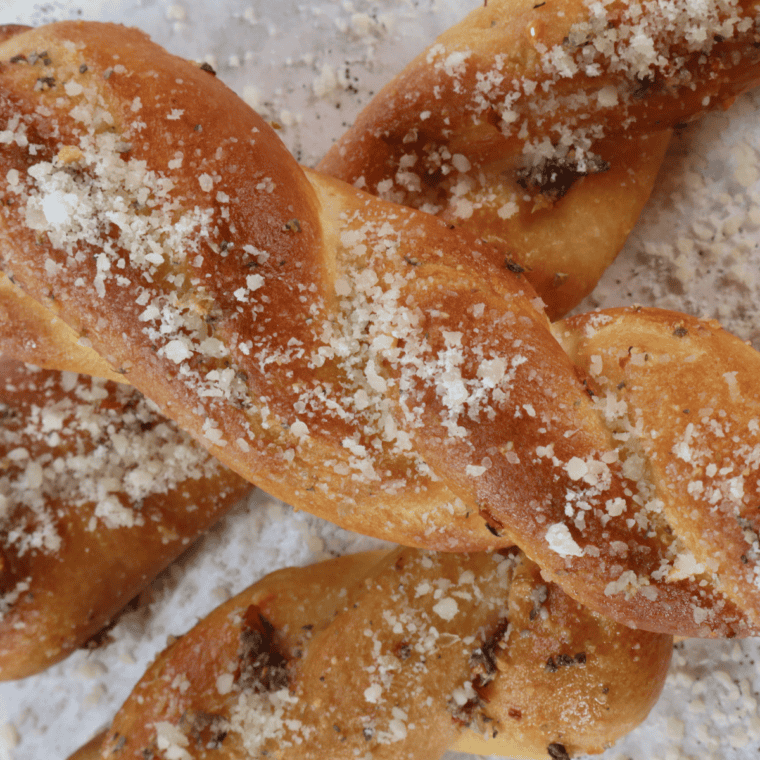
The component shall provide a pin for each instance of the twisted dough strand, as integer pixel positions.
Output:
(355, 358)
(680, 395)
(393, 656)
(541, 126)
(99, 493)
(211, 346)
(42, 339)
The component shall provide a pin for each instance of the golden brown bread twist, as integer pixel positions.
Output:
(43, 339)
(394, 655)
(258, 223)
(358, 359)
(541, 126)
(98, 493)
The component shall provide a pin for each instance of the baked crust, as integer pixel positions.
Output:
(287, 231)
(355, 358)
(44, 340)
(541, 126)
(394, 655)
(99, 493)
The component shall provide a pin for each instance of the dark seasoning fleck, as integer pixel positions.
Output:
(553, 664)
(44, 83)
(483, 668)
(557, 752)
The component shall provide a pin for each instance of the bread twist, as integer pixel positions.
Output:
(395, 656)
(541, 126)
(361, 360)
(40, 338)
(98, 494)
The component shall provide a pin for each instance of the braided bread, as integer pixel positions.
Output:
(261, 409)
(541, 126)
(98, 493)
(358, 359)
(43, 340)
(374, 655)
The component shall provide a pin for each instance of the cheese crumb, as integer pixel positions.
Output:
(561, 541)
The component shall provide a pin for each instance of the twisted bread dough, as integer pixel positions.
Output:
(98, 494)
(541, 126)
(212, 221)
(393, 656)
(359, 359)
(42, 339)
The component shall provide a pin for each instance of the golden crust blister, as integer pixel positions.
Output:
(44, 340)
